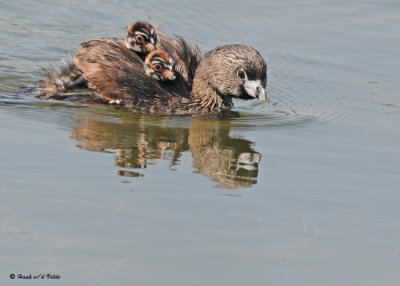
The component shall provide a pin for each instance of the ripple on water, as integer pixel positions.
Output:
(316, 100)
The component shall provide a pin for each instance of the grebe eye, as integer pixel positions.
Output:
(158, 67)
(241, 74)
(139, 38)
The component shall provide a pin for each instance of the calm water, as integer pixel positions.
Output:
(301, 190)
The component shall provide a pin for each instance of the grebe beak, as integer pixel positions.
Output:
(148, 47)
(255, 89)
(168, 74)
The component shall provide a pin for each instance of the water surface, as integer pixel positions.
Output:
(301, 190)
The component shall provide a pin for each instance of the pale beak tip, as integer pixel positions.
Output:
(263, 95)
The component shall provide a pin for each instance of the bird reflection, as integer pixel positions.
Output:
(140, 142)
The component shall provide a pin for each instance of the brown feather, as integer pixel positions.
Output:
(204, 86)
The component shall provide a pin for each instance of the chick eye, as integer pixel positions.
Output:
(241, 73)
(158, 67)
(139, 38)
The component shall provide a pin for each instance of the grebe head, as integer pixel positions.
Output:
(238, 71)
(141, 37)
(160, 65)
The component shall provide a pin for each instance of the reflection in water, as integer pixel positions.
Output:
(140, 142)
(230, 161)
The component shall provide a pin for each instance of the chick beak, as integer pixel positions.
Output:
(168, 74)
(255, 89)
(148, 47)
